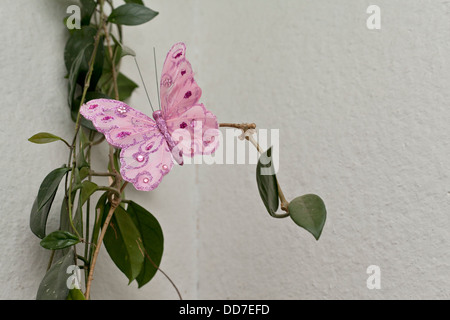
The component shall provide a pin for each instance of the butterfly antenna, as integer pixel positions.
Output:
(156, 73)
(145, 88)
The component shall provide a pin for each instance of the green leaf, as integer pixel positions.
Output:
(135, 1)
(101, 209)
(127, 51)
(64, 223)
(267, 183)
(91, 95)
(45, 137)
(84, 172)
(83, 121)
(59, 240)
(122, 239)
(125, 86)
(87, 189)
(75, 294)
(131, 14)
(38, 217)
(84, 140)
(50, 185)
(309, 212)
(124, 50)
(78, 213)
(76, 43)
(54, 284)
(106, 80)
(73, 75)
(79, 41)
(81, 160)
(77, 180)
(117, 159)
(152, 241)
(117, 55)
(87, 9)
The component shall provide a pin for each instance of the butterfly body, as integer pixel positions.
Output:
(162, 126)
(182, 127)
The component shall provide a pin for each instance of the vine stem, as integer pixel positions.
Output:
(115, 201)
(165, 274)
(114, 205)
(244, 127)
(113, 62)
(88, 205)
(109, 189)
(78, 123)
(101, 174)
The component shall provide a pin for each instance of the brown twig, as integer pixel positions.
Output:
(123, 186)
(72, 153)
(101, 174)
(114, 196)
(114, 205)
(243, 126)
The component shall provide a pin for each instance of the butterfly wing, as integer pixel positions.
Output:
(145, 163)
(122, 125)
(178, 89)
(145, 157)
(198, 128)
(179, 103)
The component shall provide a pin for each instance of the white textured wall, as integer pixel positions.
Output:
(363, 118)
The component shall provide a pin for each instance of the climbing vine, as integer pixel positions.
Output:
(130, 233)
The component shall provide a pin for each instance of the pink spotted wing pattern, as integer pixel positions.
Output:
(180, 95)
(145, 157)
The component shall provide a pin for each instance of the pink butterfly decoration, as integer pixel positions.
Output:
(183, 127)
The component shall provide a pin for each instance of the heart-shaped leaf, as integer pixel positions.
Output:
(59, 240)
(267, 182)
(122, 239)
(152, 241)
(54, 284)
(131, 14)
(309, 212)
